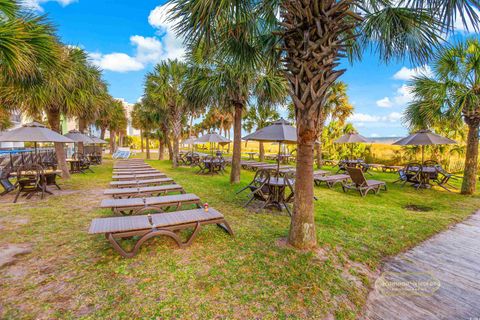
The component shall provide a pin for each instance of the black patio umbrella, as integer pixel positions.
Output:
(423, 138)
(33, 132)
(280, 131)
(212, 138)
(351, 138)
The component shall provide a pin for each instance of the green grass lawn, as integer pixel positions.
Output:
(70, 274)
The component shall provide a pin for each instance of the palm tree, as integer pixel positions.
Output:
(117, 122)
(450, 94)
(258, 117)
(144, 120)
(26, 43)
(164, 86)
(69, 88)
(314, 36)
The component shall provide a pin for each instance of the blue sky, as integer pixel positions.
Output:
(125, 38)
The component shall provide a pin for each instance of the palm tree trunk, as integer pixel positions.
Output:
(302, 227)
(113, 140)
(318, 146)
(102, 132)
(53, 118)
(161, 149)
(469, 182)
(176, 131)
(237, 144)
(261, 155)
(141, 140)
(147, 147)
(313, 44)
(82, 125)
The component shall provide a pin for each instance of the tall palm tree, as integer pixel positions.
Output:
(314, 36)
(117, 122)
(450, 94)
(68, 88)
(165, 87)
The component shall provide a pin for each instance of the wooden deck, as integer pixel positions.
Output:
(443, 277)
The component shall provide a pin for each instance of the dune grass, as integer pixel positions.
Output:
(70, 274)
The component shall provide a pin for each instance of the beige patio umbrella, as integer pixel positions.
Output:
(33, 132)
(423, 138)
(351, 138)
(78, 137)
(280, 131)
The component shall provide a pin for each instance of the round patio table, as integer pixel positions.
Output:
(250, 155)
(426, 173)
(277, 187)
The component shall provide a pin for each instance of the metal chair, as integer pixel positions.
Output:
(29, 181)
(258, 187)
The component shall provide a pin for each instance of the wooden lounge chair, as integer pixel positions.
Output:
(159, 224)
(139, 205)
(144, 176)
(143, 171)
(321, 173)
(330, 181)
(143, 191)
(362, 185)
(139, 183)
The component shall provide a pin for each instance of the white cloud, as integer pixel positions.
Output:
(407, 74)
(403, 95)
(159, 18)
(368, 118)
(119, 62)
(385, 103)
(36, 5)
(147, 50)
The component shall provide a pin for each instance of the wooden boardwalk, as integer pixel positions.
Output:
(439, 279)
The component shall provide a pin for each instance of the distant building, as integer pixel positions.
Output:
(128, 110)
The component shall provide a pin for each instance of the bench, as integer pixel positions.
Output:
(330, 181)
(143, 176)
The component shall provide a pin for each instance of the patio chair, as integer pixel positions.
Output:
(289, 191)
(331, 180)
(84, 162)
(258, 187)
(443, 177)
(411, 173)
(29, 181)
(141, 205)
(159, 224)
(5, 182)
(362, 185)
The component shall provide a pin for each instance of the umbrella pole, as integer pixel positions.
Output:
(351, 150)
(35, 147)
(422, 153)
(278, 158)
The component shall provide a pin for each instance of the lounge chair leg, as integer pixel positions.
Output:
(226, 227)
(193, 235)
(18, 194)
